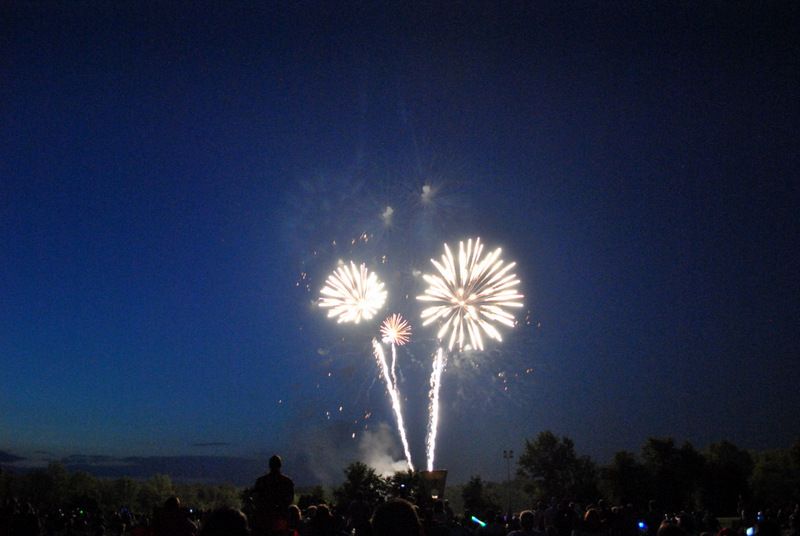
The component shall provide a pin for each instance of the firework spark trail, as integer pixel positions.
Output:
(469, 295)
(394, 365)
(380, 357)
(352, 293)
(397, 331)
(439, 362)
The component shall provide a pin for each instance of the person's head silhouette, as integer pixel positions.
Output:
(275, 464)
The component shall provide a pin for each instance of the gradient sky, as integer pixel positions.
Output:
(177, 180)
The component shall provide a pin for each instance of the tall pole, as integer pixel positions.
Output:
(508, 455)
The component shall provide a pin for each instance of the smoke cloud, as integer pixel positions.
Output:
(378, 450)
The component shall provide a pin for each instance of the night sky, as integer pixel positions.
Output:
(177, 181)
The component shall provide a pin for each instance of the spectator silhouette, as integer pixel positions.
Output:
(173, 521)
(25, 522)
(670, 529)
(358, 513)
(323, 523)
(564, 520)
(226, 522)
(272, 494)
(396, 517)
(295, 520)
(653, 517)
(527, 520)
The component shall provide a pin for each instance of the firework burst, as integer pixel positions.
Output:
(395, 330)
(469, 295)
(352, 293)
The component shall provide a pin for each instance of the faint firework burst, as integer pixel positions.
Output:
(352, 293)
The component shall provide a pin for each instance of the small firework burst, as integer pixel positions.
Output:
(352, 293)
(395, 330)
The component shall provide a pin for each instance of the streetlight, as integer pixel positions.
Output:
(508, 455)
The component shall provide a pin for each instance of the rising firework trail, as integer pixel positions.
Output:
(352, 293)
(395, 330)
(394, 395)
(439, 361)
(469, 295)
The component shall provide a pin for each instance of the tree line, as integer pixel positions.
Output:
(53, 488)
(720, 478)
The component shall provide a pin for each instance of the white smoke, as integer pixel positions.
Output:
(329, 450)
(427, 193)
(378, 450)
(386, 216)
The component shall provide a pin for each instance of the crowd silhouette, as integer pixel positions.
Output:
(268, 510)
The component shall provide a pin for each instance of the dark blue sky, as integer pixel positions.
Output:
(168, 173)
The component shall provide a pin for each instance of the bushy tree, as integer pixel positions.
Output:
(47, 488)
(54, 487)
(360, 481)
(312, 496)
(477, 498)
(406, 485)
(625, 480)
(776, 477)
(153, 492)
(120, 493)
(553, 469)
(674, 472)
(84, 491)
(208, 496)
(725, 478)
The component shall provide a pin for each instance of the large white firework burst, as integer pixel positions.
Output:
(352, 293)
(395, 330)
(470, 294)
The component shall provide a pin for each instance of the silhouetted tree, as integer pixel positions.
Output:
(625, 480)
(154, 491)
(83, 490)
(122, 492)
(315, 495)
(477, 498)
(674, 472)
(208, 496)
(554, 470)
(360, 480)
(776, 477)
(725, 478)
(405, 485)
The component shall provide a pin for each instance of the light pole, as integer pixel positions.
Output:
(508, 455)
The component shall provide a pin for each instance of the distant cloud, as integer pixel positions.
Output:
(90, 459)
(208, 469)
(7, 457)
(210, 444)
